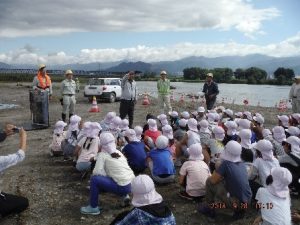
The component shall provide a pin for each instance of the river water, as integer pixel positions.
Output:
(264, 95)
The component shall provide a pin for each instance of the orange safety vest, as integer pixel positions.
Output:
(42, 84)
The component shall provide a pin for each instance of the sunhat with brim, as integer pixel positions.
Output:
(192, 124)
(221, 108)
(232, 152)
(185, 115)
(231, 127)
(296, 116)
(161, 117)
(59, 127)
(195, 152)
(143, 192)
(259, 119)
(284, 120)
(279, 133)
(266, 133)
(138, 131)
(248, 115)
(282, 177)
(219, 133)
(152, 124)
(182, 122)
(229, 112)
(163, 72)
(107, 142)
(173, 114)
(86, 128)
(201, 109)
(168, 131)
(42, 66)
(109, 117)
(295, 144)
(210, 75)
(297, 78)
(244, 124)
(74, 120)
(68, 72)
(116, 122)
(162, 142)
(266, 149)
(130, 133)
(124, 124)
(294, 131)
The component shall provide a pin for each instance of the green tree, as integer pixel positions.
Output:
(283, 75)
(255, 75)
(239, 74)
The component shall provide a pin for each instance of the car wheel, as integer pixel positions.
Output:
(112, 97)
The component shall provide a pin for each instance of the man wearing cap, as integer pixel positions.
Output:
(210, 89)
(128, 97)
(68, 90)
(294, 95)
(163, 88)
(42, 81)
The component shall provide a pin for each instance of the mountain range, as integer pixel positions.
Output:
(268, 63)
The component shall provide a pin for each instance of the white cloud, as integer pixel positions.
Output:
(48, 17)
(30, 55)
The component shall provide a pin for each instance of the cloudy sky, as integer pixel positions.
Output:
(76, 31)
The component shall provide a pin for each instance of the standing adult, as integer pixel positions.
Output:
(68, 90)
(163, 88)
(294, 95)
(39, 99)
(211, 91)
(128, 97)
(42, 81)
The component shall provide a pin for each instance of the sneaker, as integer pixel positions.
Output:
(66, 159)
(89, 210)
(185, 195)
(206, 210)
(126, 201)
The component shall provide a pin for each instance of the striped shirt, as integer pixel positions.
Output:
(163, 86)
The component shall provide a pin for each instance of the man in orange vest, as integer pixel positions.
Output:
(42, 81)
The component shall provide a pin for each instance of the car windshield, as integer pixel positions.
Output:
(96, 82)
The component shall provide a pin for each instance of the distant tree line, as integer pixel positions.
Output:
(252, 75)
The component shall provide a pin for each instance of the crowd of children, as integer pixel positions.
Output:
(224, 157)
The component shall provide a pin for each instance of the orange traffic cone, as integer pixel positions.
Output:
(146, 100)
(95, 107)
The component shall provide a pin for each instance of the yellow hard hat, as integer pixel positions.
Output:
(42, 66)
(68, 72)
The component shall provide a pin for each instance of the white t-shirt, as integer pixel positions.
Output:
(117, 169)
(280, 213)
(197, 173)
(87, 154)
(263, 168)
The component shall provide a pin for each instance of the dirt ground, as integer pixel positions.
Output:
(54, 188)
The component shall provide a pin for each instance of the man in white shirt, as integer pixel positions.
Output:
(12, 203)
(294, 95)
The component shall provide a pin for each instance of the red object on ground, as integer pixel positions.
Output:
(95, 107)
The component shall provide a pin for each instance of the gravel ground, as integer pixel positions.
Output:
(54, 188)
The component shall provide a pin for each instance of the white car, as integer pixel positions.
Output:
(103, 88)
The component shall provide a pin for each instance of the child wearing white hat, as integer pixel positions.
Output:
(204, 132)
(58, 136)
(138, 132)
(167, 131)
(181, 131)
(160, 162)
(149, 207)
(278, 137)
(274, 201)
(231, 131)
(174, 118)
(283, 121)
(111, 174)
(193, 174)
(201, 114)
(151, 134)
(105, 123)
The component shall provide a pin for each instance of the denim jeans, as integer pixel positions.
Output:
(82, 166)
(106, 184)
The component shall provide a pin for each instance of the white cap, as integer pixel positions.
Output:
(284, 120)
(109, 117)
(238, 114)
(124, 124)
(279, 133)
(173, 114)
(209, 75)
(259, 119)
(295, 144)
(107, 142)
(266, 149)
(282, 177)
(192, 124)
(296, 116)
(201, 109)
(229, 112)
(130, 133)
(204, 126)
(232, 152)
(138, 131)
(182, 122)
(244, 124)
(231, 127)
(162, 142)
(163, 72)
(116, 122)
(74, 120)
(95, 128)
(219, 133)
(185, 115)
(248, 115)
(152, 124)
(59, 127)
(143, 191)
(293, 131)
(245, 135)
(68, 72)
(168, 132)
(266, 133)
(195, 152)
(221, 108)
(162, 117)
(210, 117)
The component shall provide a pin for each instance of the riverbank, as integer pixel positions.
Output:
(54, 188)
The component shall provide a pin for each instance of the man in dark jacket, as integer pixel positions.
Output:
(210, 89)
